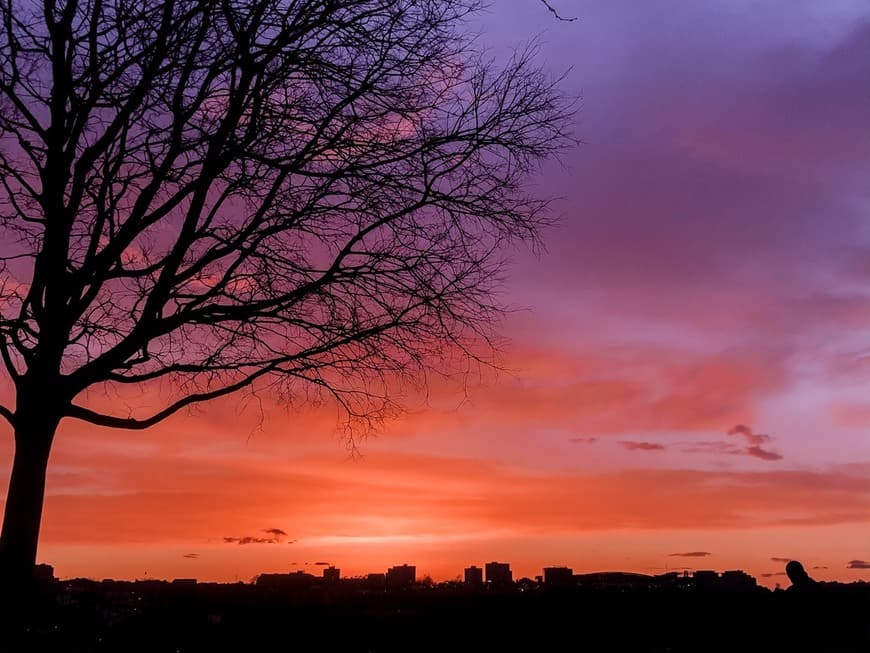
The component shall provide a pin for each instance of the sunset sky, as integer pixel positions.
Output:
(687, 373)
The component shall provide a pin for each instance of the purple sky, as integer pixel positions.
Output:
(718, 207)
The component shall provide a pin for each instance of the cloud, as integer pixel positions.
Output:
(772, 574)
(251, 540)
(276, 532)
(777, 559)
(631, 445)
(858, 564)
(753, 442)
(763, 454)
(322, 564)
(192, 556)
(690, 554)
(819, 567)
(742, 429)
(642, 389)
(582, 440)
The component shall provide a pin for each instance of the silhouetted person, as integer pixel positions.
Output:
(806, 621)
(800, 579)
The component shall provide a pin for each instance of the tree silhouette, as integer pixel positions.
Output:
(217, 195)
(558, 16)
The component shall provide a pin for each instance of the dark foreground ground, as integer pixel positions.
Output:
(247, 618)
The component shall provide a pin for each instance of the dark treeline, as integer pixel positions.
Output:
(81, 615)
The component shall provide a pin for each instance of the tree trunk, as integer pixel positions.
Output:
(34, 432)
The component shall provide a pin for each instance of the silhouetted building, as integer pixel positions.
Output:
(705, 578)
(331, 574)
(296, 581)
(401, 576)
(376, 581)
(737, 580)
(669, 579)
(527, 584)
(613, 580)
(498, 574)
(43, 573)
(558, 576)
(149, 585)
(474, 576)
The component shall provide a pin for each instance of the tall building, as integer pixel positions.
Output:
(473, 576)
(401, 576)
(498, 574)
(331, 574)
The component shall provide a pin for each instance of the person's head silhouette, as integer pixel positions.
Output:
(798, 575)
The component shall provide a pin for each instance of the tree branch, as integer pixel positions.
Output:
(317, 191)
(556, 13)
(88, 415)
(8, 415)
(8, 363)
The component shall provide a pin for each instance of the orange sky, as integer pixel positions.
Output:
(442, 488)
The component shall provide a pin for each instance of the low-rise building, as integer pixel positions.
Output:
(558, 576)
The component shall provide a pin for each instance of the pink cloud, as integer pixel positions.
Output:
(753, 441)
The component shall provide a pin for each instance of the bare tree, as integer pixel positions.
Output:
(219, 195)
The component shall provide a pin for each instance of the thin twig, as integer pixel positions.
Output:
(557, 14)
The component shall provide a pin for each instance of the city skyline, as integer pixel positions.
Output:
(493, 574)
(496, 573)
